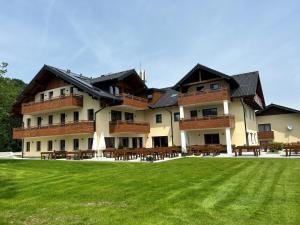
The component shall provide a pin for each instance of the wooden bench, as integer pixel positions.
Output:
(46, 155)
(87, 154)
(293, 148)
(59, 154)
(73, 154)
(238, 150)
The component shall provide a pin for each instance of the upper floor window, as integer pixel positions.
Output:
(50, 94)
(193, 113)
(116, 115)
(62, 118)
(210, 112)
(215, 86)
(128, 116)
(50, 119)
(176, 116)
(264, 127)
(158, 118)
(42, 97)
(38, 146)
(200, 88)
(90, 114)
(28, 122)
(39, 121)
(62, 92)
(76, 116)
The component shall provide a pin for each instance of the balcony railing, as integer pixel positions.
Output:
(208, 122)
(66, 101)
(123, 126)
(265, 135)
(134, 101)
(80, 127)
(204, 96)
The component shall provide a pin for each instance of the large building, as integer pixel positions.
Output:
(61, 110)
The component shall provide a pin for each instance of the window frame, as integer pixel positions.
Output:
(75, 144)
(50, 145)
(158, 118)
(176, 116)
(212, 86)
(209, 110)
(38, 146)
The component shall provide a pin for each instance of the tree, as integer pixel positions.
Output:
(9, 90)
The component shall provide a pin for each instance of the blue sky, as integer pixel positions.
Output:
(168, 38)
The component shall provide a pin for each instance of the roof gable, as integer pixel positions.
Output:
(274, 109)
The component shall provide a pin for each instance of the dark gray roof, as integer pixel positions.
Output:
(120, 75)
(170, 98)
(247, 84)
(81, 82)
(272, 106)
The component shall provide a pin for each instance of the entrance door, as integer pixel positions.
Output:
(161, 141)
(211, 139)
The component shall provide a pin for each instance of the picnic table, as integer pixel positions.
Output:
(292, 148)
(238, 150)
(46, 155)
(73, 154)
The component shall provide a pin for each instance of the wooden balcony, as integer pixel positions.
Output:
(265, 135)
(80, 127)
(204, 96)
(211, 122)
(121, 126)
(134, 101)
(53, 104)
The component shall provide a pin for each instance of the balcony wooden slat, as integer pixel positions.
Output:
(210, 122)
(265, 135)
(53, 103)
(134, 101)
(203, 96)
(122, 126)
(80, 127)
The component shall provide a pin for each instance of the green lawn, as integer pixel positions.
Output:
(184, 191)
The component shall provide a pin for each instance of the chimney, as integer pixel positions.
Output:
(142, 74)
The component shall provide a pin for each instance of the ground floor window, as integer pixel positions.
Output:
(161, 141)
(75, 144)
(211, 139)
(38, 146)
(137, 142)
(62, 145)
(27, 146)
(123, 142)
(50, 145)
(90, 143)
(110, 142)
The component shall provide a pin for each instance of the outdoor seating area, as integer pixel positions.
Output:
(80, 154)
(292, 149)
(205, 150)
(238, 150)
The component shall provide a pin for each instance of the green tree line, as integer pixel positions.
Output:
(10, 88)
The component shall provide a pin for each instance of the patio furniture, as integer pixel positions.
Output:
(73, 154)
(59, 154)
(87, 154)
(292, 148)
(238, 150)
(46, 155)
(109, 152)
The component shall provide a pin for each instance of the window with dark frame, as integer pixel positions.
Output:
(129, 116)
(42, 97)
(110, 142)
(90, 113)
(116, 115)
(62, 118)
(39, 121)
(62, 92)
(38, 146)
(176, 116)
(27, 146)
(194, 113)
(50, 94)
(211, 139)
(50, 145)
(161, 141)
(210, 112)
(75, 144)
(62, 145)
(76, 116)
(215, 86)
(28, 122)
(90, 143)
(50, 119)
(199, 88)
(124, 142)
(158, 118)
(264, 127)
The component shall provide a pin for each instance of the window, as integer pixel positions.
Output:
(27, 146)
(140, 140)
(50, 145)
(128, 116)
(75, 144)
(264, 127)
(111, 90)
(199, 88)
(123, 142)
(176, 116)
(62, 92)
(110, 142)
(161, 141)
(193, 113)
(158, 118)
(62, 145)
(134, 142)
(39, 121)
(215, 86)
(50, 119)
(116, 115)
(211, 139)
(71, 90)
(210, 112)
(90, 143)
(90, 113)
(42, 97)
(76, 116)
(149, 97)
(62, 118)
(117, 91)
(38, 146)
(28, 122)
(50, 94)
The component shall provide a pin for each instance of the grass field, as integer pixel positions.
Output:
(184, 191)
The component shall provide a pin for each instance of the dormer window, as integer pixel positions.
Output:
(199, 88)
(215, 86)
(42, 97)
(62, 92)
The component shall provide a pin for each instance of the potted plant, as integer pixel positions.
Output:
(149, 158)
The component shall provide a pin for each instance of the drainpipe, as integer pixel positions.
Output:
(245, 121)
(172, 132)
